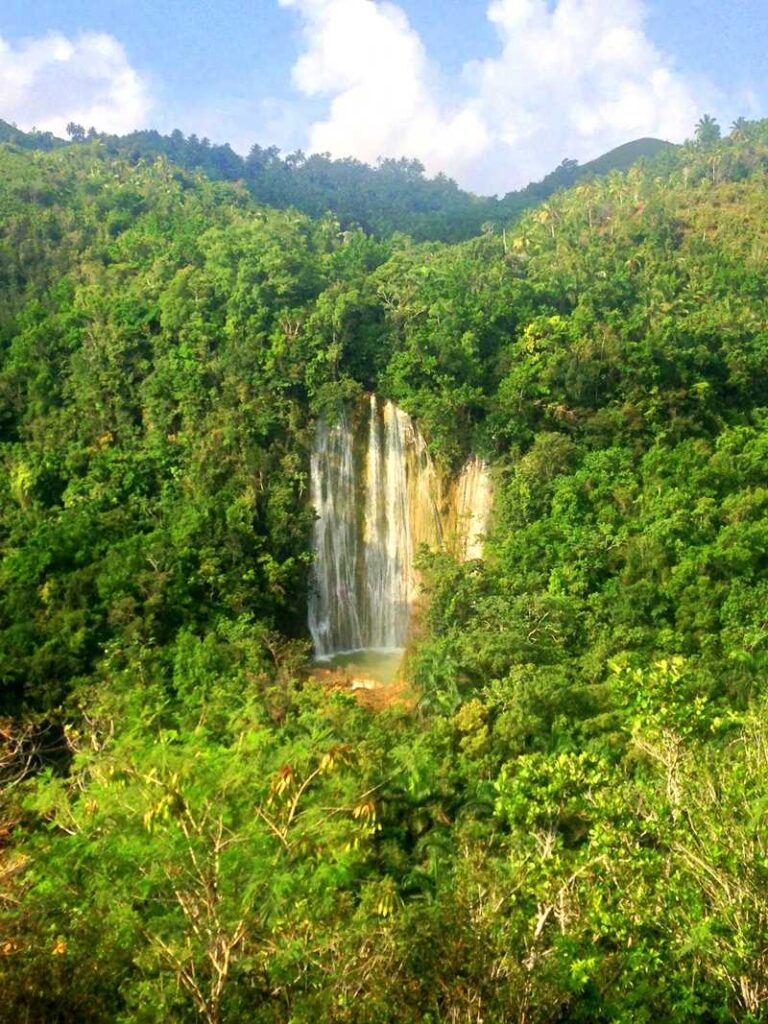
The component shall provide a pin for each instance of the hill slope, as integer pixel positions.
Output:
(565, 819)
(623, 157)
(393, 196)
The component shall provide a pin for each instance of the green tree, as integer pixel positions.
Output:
(707, 130)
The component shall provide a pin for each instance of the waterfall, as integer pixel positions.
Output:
(378, 496)
(387, 544)
(334, 620)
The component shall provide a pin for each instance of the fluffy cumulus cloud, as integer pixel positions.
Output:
(571, 78)
(373, 65)
(50, 81)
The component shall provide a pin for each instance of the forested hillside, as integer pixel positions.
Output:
(394, 196)
(564, 818)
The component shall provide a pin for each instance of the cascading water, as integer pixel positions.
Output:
(378, 496)
(386, 539)
(334, 620)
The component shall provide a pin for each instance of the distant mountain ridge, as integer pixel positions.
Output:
(394, 196)
(570, 171)
(28, 140)
(622, 157)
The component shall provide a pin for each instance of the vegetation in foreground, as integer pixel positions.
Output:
(570, 825)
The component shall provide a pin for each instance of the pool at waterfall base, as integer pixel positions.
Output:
(378, 666)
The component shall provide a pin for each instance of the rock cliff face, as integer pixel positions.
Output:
(378, 496)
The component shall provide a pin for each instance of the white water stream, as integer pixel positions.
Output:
(378, 496)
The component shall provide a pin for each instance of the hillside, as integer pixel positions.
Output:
(563, 817)
(28, 140)
(394, 196)
(514, 204)
(623, 157)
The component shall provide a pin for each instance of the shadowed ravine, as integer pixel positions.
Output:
(378, 496)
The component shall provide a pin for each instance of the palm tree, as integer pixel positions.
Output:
(739, 129)
(707, 131)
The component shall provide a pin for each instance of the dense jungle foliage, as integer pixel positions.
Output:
(567, 821)
(396, 195)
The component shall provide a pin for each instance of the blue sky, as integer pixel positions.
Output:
(494, 92)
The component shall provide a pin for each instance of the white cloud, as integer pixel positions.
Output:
(366, 56)
(52, 80)
(571, 78)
